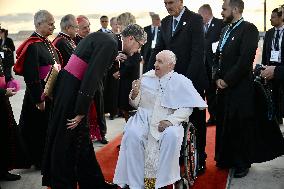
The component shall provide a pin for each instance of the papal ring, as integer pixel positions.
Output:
(135, 85)
(74, 122)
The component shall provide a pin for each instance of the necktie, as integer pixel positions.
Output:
(175, 23)
(206, 26)
(153, 33)
(276, 41)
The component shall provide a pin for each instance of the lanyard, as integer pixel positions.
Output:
(227, 34)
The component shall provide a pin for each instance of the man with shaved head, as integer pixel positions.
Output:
(153, 136)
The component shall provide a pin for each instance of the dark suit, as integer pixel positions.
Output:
(235, 108)
(277, 86)
(8, 60)
(187, 43)
(211, 36)
(147, 47)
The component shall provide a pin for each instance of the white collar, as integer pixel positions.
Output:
(209, 22)
(280, 29)
(180, 15)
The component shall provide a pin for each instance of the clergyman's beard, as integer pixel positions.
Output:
(229, 19)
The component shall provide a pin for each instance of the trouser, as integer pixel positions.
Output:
(198, 119)
(99, 100)
(210, 93)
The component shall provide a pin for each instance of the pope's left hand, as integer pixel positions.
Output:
(163, 125)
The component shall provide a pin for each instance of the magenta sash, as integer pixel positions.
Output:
(14, 84)
(43, 71)
(2, 82)
(76, 66)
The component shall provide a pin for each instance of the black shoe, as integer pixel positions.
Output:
(10, 177)
(111, 117)
(222, 165)
(104, 140)
(38, 166)
(240, 172)
(211, 121)
(110, 186)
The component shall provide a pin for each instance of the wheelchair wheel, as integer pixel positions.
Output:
(190, 154)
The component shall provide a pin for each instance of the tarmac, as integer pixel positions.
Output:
(268, 175)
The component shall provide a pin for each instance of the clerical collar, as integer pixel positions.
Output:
(65, 35)
(233, 24)
(40, 36)
(68, 38)
(78, 35)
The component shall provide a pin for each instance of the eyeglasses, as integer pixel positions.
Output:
(140, 44)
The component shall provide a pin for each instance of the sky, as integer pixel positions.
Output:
(16, 15)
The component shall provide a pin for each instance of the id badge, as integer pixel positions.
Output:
(274, 56)
(153, 45)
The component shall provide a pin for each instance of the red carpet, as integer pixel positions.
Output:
(213, 178)
(107, 157)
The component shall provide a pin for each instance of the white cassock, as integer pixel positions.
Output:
(145, 152)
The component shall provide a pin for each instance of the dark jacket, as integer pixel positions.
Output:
(235, 68)
(146, 49)
(267, 43)
(9, 53)
(188, 45)
(212, 36)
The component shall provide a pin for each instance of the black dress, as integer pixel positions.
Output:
(69, 156)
